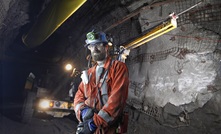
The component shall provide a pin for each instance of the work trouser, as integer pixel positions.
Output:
(107, 130)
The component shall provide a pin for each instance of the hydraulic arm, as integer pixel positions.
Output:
(161, 29)
(164, 27)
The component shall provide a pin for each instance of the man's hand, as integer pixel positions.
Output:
(87, 127)
(86, 113)
(80, 127)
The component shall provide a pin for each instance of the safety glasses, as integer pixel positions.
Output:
(97, 45)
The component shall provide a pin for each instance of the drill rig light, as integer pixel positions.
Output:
(68, 67)
(45, 104)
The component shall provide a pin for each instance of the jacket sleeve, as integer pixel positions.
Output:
(117, 98)
(79, 100)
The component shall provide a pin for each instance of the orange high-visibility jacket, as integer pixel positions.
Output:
(114, 96)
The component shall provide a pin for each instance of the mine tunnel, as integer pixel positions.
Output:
(172, 49)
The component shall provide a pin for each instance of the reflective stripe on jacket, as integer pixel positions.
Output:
(117, 82)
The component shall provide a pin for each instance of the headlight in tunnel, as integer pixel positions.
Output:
(45, 104)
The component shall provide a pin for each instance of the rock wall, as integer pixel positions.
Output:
(175, 78)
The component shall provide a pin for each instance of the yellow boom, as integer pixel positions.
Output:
(161, 29)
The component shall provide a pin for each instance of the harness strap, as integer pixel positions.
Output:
(100, 85)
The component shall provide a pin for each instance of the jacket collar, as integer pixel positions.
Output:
(106, 64)
(93, 69)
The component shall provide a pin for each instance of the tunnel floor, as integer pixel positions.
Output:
(10, 123)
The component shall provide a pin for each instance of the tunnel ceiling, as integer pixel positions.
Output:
(18, 17)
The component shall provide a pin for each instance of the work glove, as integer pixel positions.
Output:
(87, 127)
(86, 113)
(80, 127)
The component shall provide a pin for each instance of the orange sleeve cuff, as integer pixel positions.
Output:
(98, 121)
(78, 114)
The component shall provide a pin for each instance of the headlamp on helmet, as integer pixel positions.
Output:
(94, 38)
